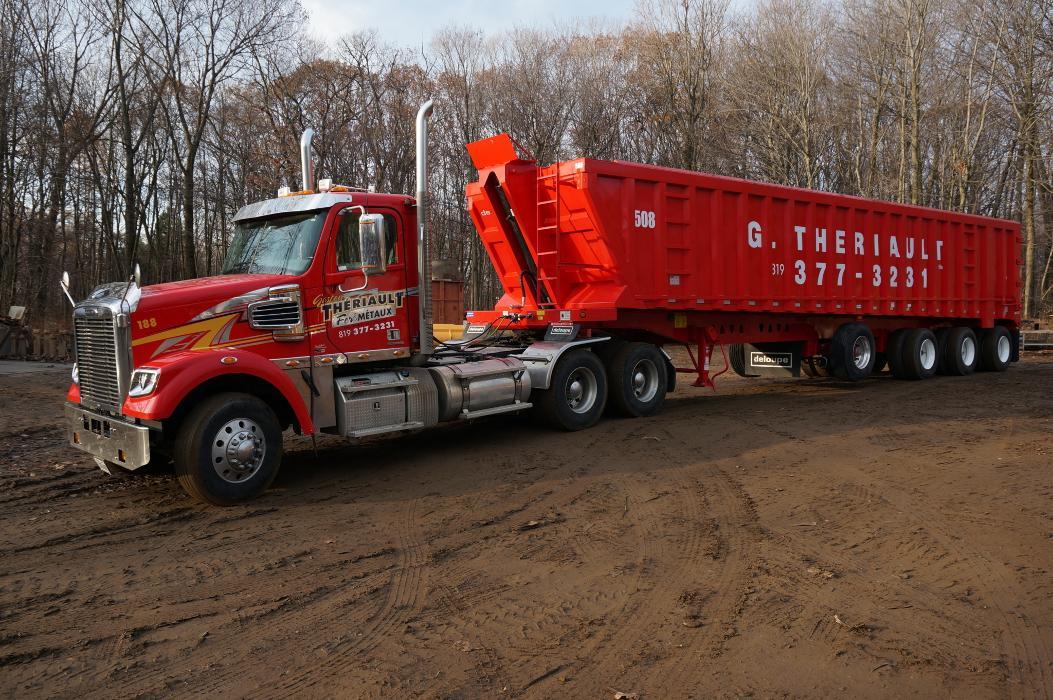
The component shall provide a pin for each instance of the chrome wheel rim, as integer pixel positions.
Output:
(238, 450)
(927, 354)
(644, 378)
(1004, 349)
(968, 351)
(581, 390)
(861, 352)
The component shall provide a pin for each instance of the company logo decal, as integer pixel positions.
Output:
(352, 309)
(771, 359)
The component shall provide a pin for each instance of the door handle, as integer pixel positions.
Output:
(365, 283)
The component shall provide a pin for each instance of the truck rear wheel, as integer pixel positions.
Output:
(852, 352)
(960, 353)
(996, 349)
(920, 354)
(577, 392)
(636, 376)
(228, 449)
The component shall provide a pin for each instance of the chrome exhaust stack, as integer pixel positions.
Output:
(306, 164)
(427, 345)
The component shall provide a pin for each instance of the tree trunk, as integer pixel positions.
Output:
(189, 258)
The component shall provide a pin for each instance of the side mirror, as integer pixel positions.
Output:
(64, 284)
(373, 242)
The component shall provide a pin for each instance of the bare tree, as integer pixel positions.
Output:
(201, 45)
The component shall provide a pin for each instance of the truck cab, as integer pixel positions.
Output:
(320, 321)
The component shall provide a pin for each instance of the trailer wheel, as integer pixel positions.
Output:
(894, 353)
(737, 359)
(577, 393)
(852, 352)
(941, 349)
(996, 349)
(961, 352)
(920, 354)
(880, 362)
(816, 366)
(228, 449)
(637, 379)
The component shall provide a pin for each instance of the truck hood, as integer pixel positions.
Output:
(203, 293)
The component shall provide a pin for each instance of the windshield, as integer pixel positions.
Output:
(280, 245)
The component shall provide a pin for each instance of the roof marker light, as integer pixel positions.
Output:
(284, 191)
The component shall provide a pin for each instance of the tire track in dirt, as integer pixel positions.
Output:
(404, 592)
(1036, 677)
(736, 528)
(708, 531)
(879, 634)
(956, 560)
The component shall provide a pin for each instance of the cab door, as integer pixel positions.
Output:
(365, 308)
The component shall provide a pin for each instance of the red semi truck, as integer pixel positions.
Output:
(320, 320)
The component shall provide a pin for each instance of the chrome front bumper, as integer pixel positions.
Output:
(108, 439)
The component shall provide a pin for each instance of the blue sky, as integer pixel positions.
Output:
(411, 22)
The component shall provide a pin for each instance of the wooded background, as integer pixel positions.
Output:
(131, 131)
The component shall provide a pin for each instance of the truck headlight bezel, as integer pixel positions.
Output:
(144, 381)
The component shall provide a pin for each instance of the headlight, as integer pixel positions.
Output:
(76, 375)
(144, 381)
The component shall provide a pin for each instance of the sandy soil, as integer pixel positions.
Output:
(780, 537)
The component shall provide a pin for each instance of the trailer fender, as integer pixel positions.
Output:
(541, 357)
(181, 373)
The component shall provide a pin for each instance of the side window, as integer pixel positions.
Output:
(348, 254)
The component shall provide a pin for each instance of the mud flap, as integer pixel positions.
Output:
(773, 359)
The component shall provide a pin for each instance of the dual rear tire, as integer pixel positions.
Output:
(852, 354)
(996, 350)
(631, 382)
(918, 353)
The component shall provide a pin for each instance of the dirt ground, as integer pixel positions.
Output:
(777, 538)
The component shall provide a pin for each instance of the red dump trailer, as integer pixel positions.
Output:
(787, 277)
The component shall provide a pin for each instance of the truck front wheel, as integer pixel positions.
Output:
(228, 449)
(637, 379)
(577, 392)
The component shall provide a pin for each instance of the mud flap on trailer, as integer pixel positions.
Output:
(772, 359)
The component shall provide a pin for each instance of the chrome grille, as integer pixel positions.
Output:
(98, 374)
